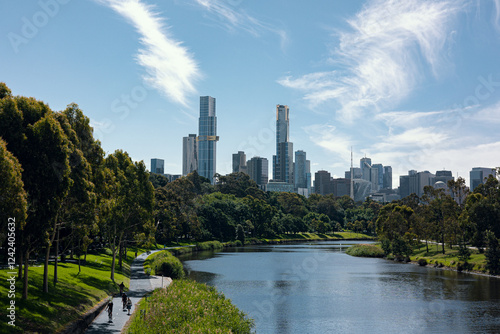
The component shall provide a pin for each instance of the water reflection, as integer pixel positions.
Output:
(316, 288)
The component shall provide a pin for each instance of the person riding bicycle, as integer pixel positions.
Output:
(110, 308)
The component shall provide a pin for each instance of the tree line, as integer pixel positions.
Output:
(61, 190)
(65, 195)
(456, 218)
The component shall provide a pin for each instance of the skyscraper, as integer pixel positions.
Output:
(300, 172)
(387, 177)
(283, 160)
(157, 166)
(189, 154)
(478, 174)
(258, 169)
(240, 162)
(207, 138)
(323, 182)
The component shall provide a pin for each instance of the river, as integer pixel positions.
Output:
(317, 288)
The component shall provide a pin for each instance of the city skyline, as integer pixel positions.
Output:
(413, 84)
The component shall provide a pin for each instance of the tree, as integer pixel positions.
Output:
(13, 203)
(492, 253)
(129, 205)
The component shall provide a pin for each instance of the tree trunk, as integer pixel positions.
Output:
(20, 262)
(57, 256)
(120, 254)
(25, 281)
(46, 270)
(79, 268)
(427, 245)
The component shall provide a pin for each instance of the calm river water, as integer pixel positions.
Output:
(317, 288)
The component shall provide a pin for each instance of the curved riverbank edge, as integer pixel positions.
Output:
(436, 265)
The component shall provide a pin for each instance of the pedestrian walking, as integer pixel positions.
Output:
(129, 305)
(110, 309)
(122, 286)
(124, 300)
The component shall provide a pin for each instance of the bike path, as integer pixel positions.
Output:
(140, 284)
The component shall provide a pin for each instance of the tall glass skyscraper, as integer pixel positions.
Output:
(189, 154)
(283, 160)
(207, 138)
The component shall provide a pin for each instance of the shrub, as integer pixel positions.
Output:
(164, 263)
(422, 262)
(365, 250)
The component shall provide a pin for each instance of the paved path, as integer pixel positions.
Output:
(140, 284)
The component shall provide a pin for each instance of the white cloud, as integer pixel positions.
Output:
(329, 138)
(170, 68)
(232, 18)
(389, 48)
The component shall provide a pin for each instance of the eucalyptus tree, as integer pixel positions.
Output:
(128, 207)
(39, 143)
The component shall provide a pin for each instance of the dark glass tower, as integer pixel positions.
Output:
(283, 160)
(207, 138)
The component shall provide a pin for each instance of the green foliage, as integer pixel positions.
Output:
(492, 253)
(188, 307)
(365, 250)
(164, 263)
(157, 180)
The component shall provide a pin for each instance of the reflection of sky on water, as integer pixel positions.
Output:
(316, 288)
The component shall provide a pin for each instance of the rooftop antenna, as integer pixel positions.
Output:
(352, 178)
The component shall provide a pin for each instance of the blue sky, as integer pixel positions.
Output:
(411, 84)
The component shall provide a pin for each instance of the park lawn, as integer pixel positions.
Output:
(73, 295)
(450, 258)
(319, 236)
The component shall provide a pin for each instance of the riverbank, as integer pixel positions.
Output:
(75, 294)
(188, 307)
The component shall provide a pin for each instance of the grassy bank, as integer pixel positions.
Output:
(297, 237)
(188, 307)
(434, 257)
(74, 294)
(365, 250)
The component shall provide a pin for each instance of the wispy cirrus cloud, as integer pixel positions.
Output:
(170, 67)
(234, 17)
(390, 46)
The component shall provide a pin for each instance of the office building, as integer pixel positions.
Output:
(258, 170)
(279, 186)
(189, 154)
(379, 181)
(207, 138)
(302, 166)
(322, 182)
(283, 160)
(478, 176)
(239, 162)
(387, 179)
(157, 166)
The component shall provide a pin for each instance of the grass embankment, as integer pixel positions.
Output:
(365, 250)
(74, 294)
(435, 257)
(319, 237)
(188, 307)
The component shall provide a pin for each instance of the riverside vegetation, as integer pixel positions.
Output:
(66, 196)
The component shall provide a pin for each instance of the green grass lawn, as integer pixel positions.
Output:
(74, 294)
(450, 258)
(320, 236)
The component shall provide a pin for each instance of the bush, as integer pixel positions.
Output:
(365, 250)
(422, 262)
(209, 245)
(164, 263)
